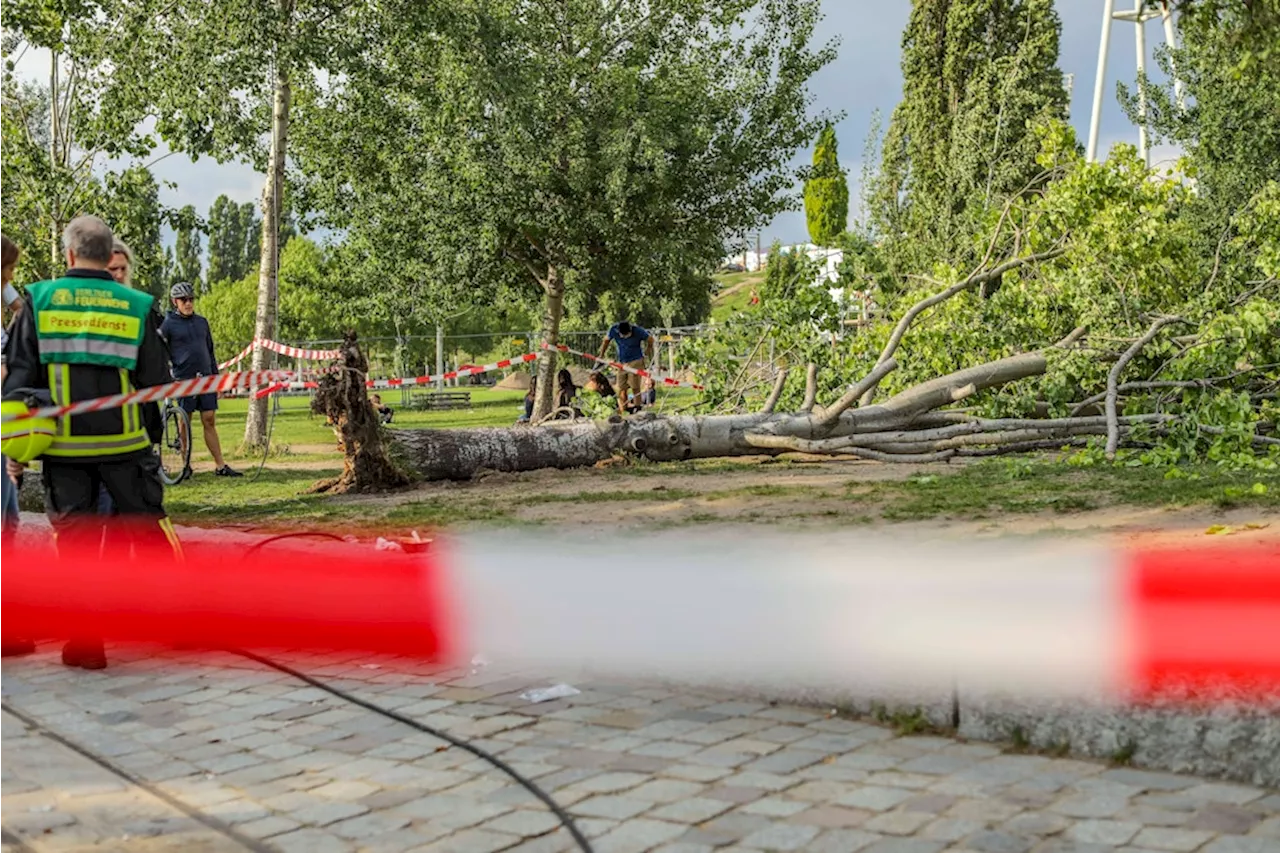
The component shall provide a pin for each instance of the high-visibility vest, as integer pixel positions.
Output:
(90, 321)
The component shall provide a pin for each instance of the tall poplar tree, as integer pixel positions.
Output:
(978, 76)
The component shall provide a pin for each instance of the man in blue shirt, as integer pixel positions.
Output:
(191, 350)
(629, 339)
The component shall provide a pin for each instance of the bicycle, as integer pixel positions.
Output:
(174, 448)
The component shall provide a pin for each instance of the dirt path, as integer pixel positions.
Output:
(810, 497)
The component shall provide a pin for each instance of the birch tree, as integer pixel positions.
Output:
(220, 80)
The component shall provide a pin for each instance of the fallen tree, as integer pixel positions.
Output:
(908, 427)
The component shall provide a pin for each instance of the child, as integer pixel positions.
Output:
(648, 393)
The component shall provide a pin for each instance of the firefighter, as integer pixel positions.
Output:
(80, 337)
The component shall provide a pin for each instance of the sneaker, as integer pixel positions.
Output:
(86, 654)
(17, 648)
(228, 471)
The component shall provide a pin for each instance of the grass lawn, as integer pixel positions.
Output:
(294, 426)
(735, 293)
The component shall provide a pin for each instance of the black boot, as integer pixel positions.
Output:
(86, 654)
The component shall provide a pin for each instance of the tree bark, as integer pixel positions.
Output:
(461, 454)
(1113, 381)
(255, 427)
(978, 278)
(544, 400)
(343, 399)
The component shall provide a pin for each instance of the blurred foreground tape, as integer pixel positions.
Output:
(1031, 619)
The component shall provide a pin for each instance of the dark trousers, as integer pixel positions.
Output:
(71, 499)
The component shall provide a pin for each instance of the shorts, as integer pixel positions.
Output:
(199, 403)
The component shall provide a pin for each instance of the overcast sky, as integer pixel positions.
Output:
(864, 77)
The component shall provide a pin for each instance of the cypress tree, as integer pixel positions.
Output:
(826, 192)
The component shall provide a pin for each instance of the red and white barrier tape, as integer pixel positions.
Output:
(181, 388)
(665, 380)
(1037, 619)
(409, 381)
(292, 352)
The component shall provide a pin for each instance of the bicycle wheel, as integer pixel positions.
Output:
(174, 448)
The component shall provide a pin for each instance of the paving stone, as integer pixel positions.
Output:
(667, 790)
(774, 807)
(1239, 844)
(842, 841)
(904, 845)
(1036, 824)
(950, 829)
(612, 807)
(692, 810)
(874, 798)
(369, 825)
(472, 841)
(310, 841)
(1220, 793)
(345, 790)
(323, 814)
(1090, 805)
(1216, 817)
(523, 823)
(1167, 838)
(1148, 780)
(634, 836)
(833, 817)
(781, 836)
(997, 841)
(938, 764)
(930, 803)
(1112, 832)
(898, 822)
(268, 826)
(786, 761)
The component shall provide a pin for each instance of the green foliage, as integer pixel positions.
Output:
(234, 240)
(313, 304)
(826, 192)
(187, 250)
(978, 76)
(540, 152)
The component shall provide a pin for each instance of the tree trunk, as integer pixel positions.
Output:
(343, 399)
(461, 454)
(255, 428)
(544, 401)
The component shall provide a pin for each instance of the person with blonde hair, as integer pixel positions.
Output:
(121, 266)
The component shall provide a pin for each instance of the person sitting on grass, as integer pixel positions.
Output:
(385, 414)
(566, 395)
(598, 383)
(529, 399)
(648, 392)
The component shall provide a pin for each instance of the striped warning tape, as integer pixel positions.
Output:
(181, 388)
(1040, 619)
(407, 381)
(283, 349)
(665, 380)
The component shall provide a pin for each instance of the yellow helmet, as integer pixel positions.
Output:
(26, 439)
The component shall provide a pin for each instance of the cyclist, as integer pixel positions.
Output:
(191, 348)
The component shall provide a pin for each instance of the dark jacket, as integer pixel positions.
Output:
(190, 345)
(22, 358)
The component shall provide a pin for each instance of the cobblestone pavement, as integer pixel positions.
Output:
(270, 764)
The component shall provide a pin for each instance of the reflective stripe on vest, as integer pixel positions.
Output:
(98, 445)
(88, 346)
(134, 437)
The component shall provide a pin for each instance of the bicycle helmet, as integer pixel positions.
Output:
(182, 290)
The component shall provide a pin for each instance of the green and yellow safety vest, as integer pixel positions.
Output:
(91, 321)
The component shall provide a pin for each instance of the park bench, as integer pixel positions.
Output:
(438, 400)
